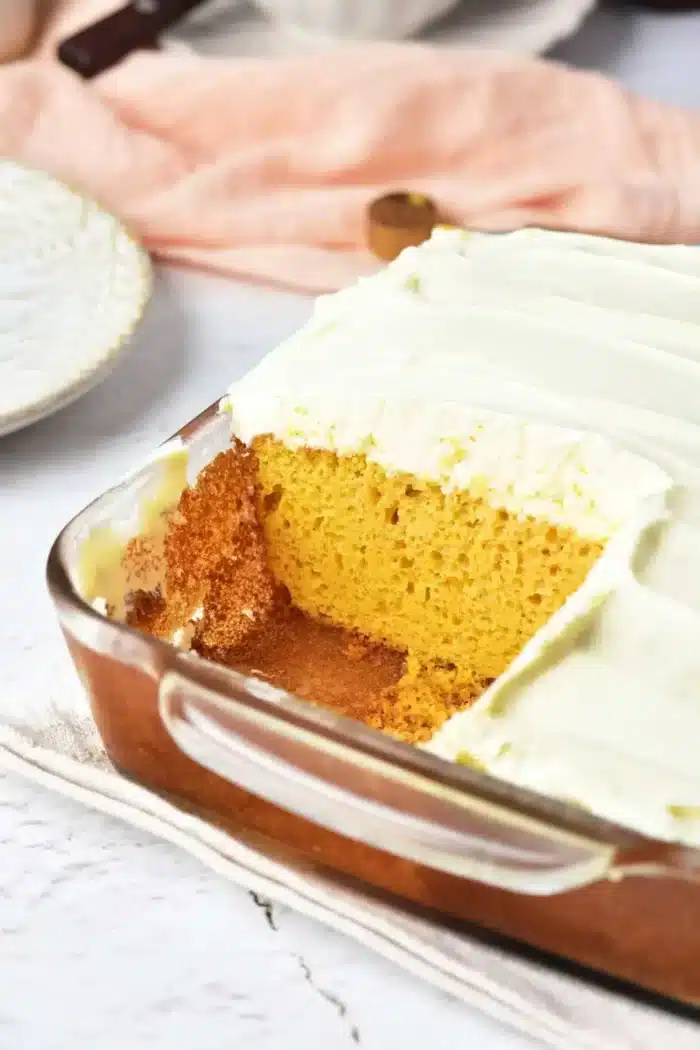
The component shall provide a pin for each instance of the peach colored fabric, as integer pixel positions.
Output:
(264, 167)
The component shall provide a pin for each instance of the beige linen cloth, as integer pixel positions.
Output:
(265, 167)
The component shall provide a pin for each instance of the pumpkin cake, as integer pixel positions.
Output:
(451, 509)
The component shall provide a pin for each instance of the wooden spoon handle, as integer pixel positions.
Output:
(130, 28)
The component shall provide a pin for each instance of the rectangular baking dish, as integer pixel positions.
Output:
(331, 793)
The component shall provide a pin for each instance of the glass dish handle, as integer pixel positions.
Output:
(374, 800)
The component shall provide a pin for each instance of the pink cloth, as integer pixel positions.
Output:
(265, 167)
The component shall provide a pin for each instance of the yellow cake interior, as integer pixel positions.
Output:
(377, 594)
(458, 585)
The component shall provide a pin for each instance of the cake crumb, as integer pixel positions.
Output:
(216, 578)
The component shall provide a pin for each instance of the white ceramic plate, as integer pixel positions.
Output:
(527, 27)
(73, 285)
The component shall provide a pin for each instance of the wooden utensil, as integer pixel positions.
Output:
(134, 27)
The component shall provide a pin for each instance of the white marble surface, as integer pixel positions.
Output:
(109, 939)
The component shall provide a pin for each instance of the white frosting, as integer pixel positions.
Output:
(560, 376)
(428, 369)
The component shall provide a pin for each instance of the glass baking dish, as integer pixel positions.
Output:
(331, 793)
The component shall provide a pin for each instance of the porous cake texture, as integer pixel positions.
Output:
(457, 584)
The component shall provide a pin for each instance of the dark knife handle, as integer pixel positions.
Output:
(130, 28)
